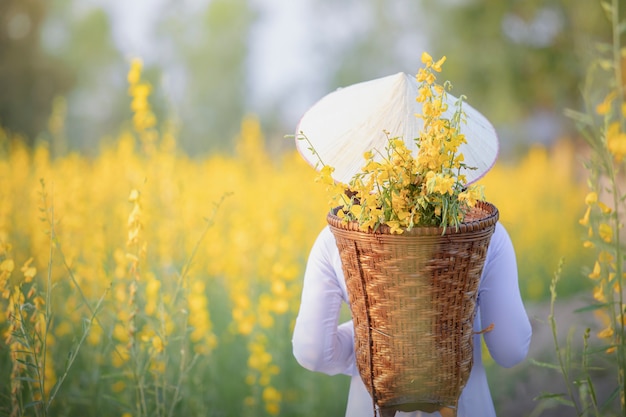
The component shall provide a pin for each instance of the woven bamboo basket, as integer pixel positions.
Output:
(413, 301)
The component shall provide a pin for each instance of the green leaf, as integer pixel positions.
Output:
(591, 307)
(33, 403)
(599, 349)
(607, 403)
(545, 364)
(28, 364)
(27, 379)
(560, 398)
(583, 118)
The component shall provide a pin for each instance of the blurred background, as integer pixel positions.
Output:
(211, 62)
(230, 78)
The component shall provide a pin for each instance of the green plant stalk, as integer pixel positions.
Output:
(28, 341)
(617, 64)
(161, 405)
(55, 243)
(585, 369)
(187, 265)
(48, 294)
(183, 370)
(618, 323)
(74, 353)
(562, 366)
(138, 374)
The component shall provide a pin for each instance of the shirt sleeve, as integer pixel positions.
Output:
(501, 303)
(319, 343)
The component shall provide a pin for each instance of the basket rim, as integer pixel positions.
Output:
(491, 218)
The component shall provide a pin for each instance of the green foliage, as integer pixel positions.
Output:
(30, 78)
(519, 60)
(602, 124)
(84, 43)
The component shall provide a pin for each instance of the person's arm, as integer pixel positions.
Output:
(319, 344)
(501, 303)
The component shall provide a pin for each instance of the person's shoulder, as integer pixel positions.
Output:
(325, 240)
(500, 231)
(500, 240)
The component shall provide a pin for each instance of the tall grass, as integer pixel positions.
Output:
(603, 125)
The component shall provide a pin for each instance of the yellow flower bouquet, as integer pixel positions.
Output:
(401, 190)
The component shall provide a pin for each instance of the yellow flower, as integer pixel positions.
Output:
(606, 333)
(356, 210)
(591, 198)
(424, 93)
(605, 232)
(604, 208)
(394, 226)
(595, 274)
(280, 306)
(605, 107)
(605, 257)
(271, 394)
(119, 386)
(427, 59)
(157, 344)
(598, 293)
(471, 195)
(440, 183)
(134, 74)
(437, 65)
(585, 220)
(325, 175)
(28, 270)
(616, 141)
(7, 265)
(272, 408)
(425, 77)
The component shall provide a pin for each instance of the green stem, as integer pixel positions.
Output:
(562, 365)
(74, 352)
(177, 396)
(617, 63)
(187, 265)
(585, 370)
(48, 297)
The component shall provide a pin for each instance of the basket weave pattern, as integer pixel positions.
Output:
(413, 301)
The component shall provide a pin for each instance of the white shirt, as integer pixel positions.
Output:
(321, 344)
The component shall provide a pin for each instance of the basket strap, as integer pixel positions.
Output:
(369, 325)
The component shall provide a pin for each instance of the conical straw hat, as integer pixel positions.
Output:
(346, 123)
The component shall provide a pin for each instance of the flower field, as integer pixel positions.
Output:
(169, 304)
(142, 282)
